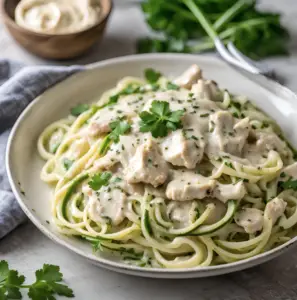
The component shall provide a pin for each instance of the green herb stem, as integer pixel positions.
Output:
(229, 14)
(197, 12)
(246, 24)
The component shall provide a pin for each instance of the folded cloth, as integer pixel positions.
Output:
(19, 85)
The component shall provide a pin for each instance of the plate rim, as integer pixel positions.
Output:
(109, 264)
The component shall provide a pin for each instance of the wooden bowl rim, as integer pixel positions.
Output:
(13, 23)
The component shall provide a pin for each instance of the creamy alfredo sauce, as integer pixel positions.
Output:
(57, 16)
(174, 167)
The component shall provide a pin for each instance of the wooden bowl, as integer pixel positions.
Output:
(55, 46)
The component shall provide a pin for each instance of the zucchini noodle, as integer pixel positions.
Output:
(216, 184)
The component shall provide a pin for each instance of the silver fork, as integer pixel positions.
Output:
(233, 56)
(255, 71)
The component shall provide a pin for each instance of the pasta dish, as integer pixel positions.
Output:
(171, 173)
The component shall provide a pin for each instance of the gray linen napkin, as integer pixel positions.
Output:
(19, 85)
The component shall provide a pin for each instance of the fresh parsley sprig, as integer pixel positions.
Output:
(256, 33)
(47, 283)
(119, 127)
(159, 120)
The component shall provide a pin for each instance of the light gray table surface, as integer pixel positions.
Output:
(27, 249)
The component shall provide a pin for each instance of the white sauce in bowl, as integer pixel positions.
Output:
(57, 16)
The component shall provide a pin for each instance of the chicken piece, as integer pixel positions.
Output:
(180, 150)
(251, 219)
(186, 186)
(121, 152)
(189, 77)
(147, 165)
(225, 192)
(291, 171)
(206, 89)
(270, 141)
(98, 128)
(107, 205)
(132, 188)
(101, 123)
(226, 135)
(274, 209)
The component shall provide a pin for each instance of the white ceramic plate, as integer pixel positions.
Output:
(24, 164)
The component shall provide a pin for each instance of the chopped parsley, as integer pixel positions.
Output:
(282, 174)
(289, 184)
(79, 109)
(117, 179)
(172, 86)
(204, 115)
(229, 165)
(54, 148)
(159, 120)
(67, 163)
(151, 75)
(99, 180)
(129, 90)
(119, 127)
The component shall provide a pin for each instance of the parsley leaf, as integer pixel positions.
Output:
(190, 26)
(44, 288)
(79, 109)
(99, 180)
(172, 86)
(159, 120)
(129, 90)
(119, 127)
(67, 163)
(289, 184)
(97, 246)
(4, 270)
(151, 75)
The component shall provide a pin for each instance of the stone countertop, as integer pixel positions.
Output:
(27, 249)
